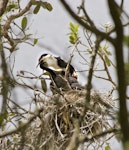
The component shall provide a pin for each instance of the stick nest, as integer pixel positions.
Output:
(54, 127)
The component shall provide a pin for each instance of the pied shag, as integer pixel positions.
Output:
(58, 79)
(56, 68)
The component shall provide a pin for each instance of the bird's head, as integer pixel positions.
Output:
(50, 62)
(43, 63)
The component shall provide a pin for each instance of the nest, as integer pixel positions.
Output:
(57, 121)
(53, 129)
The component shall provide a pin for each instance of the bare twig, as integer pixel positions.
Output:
(62, 136)
(23, 126)
(85, 138)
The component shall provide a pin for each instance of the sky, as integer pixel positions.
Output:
(52, 29)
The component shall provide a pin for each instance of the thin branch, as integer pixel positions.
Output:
(107, 71)
(90, 75)
(86, 139)
(62, 136)
(86, 15)
(5, 80)
(23, 126)
(85, 25)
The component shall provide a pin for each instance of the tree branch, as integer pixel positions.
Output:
(23, 126)
(85, 25)
(6, 27)
(118, 45)
(5, 81)
(3, 4)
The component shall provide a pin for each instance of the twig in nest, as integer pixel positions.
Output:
(62, 136)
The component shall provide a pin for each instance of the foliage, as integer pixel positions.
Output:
(74, 34)
(44, 5)
(24, 23)
(126, 65)
(126, 40)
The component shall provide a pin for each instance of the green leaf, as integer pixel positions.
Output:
(105, 48)
(107, 60)
(107, 147)
(1, 119)
(47, 6)
(28, 35)
(71, 25)
(12, 114)
(74, 33)
(35, 41)
(11, 7)
(24, 23)
(20, 123)
(37, 8)
(72, 37)
(126, 67)
(76, 27)
(126, 40)
(44, 85)
(72, 42)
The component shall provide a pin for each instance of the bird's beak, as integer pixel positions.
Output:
(44, 71)
(39, 63)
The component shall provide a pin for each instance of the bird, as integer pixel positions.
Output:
(57, 78)
(74, 83)
(56, 67)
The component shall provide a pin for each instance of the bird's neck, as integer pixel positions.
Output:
(42, 66)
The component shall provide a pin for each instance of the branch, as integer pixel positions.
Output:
(118, 45)
(86, 139)
(86, 15)
(5, 81)
(85, 25)
(3, 4)
(22, 127)
(107, 71)
(6, 27)
(90, 75)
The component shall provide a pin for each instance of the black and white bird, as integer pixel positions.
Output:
(57, 64)
(56, 67)
(57, 79)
